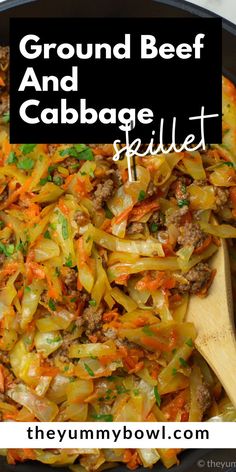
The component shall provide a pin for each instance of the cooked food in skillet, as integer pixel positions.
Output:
(95, 277)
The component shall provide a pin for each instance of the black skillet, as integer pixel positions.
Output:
(197, 460)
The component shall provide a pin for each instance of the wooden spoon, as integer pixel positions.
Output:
(214, 320)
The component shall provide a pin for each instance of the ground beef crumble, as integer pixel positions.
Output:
(70, 279)
(4, 195)
(92, 318)
(191, 235)
(102, 193)
(157, 218)
(71, 164)
(178, 188)
(203, 397)
(52, 148)
(4, 96)
(135, 228)
(221, 197)
(152, 189)
(176, 216)
(4, 103)
(4, 56)
(196, 278)
(2, 259)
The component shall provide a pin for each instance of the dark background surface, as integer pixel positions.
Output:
(138, 8)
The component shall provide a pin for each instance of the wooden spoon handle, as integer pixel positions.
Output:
(221, 356)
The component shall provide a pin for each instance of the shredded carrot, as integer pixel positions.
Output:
(203, 292)
(52, 292)
(35, 271)
(175, 405)
(9, 416)
(106, 225)
(64, 209)
(79, 285)
(43, 148)
(151, 417)
(1, 379)
(185, 416)
(10, 268)
(139, 366)
(67, 181)
(148, 282)
(205, 243)
(122, 279)
(155, 373)
(153, 343)
(93, 338)
(111, 315)
(15, 195)
(124, 175)
(91, 397)
(33, 212)
(83, 257)
(122, 216)
(2, 188)
(168, 249)
(6, 147)
(81, 186)
(131, 458)
(142, 209)
(49, 371)
(20, 293)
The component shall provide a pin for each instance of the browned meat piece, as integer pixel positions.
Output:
(191, 235)
(4, 357)
(203, 397)
(57, 178)
(44, 296)
(52, 148)
(175, 217)
(157, 218)
(4, 56)
(178, 188)
(110, 333)
(4, 103)
(70, 279)
(124, 342)
(221, 197)
(135, 228)
(103, 193)
(152, 189)
(81, 218)
(200, 183)
(4, 97)
(181, 192)
(92, 318)
(71, 164)
(117, 178)
(4, 195)
(2, 259)
(197, 278)
(104, 149)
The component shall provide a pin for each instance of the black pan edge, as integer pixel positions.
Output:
(200, 11)
(13, 3)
